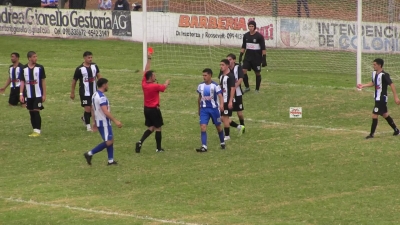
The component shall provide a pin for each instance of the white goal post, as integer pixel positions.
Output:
(322, 38)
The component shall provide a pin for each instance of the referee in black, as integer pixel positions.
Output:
(255, 55)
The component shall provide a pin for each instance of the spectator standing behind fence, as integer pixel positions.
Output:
(121, 5)
(77, 4)
(49, 3)
(305, 3)
(105, 4)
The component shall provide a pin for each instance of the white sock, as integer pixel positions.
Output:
(36, 131)
(204, 146)
(110, 160)
(88, 126)
(90, 153)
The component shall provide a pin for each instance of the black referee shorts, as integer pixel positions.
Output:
(153, 117)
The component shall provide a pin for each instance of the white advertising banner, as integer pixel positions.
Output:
(318, 34)
(205, 29)
(65, 23)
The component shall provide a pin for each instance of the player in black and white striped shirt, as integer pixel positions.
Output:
(14, 73)
(227, 83)
(33, 79)
(87, 73)
(381, 80)
(238, 107)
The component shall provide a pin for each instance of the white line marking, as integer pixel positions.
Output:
(11, 199)
(260, 121)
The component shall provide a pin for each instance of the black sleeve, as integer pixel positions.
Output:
(231, 81)
(244, 41)
(262, 41)
(240, 72)
(386, 76)
(97, 69)
(77, 74)
(43, 73)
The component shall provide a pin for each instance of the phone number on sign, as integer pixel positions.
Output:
(81, 32)
(233, 36)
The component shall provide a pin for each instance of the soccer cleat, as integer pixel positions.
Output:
(34, 134)
(202, 149)
(257, 91)
(138, 147)
(241, 129)
(89, 129)
(160, 150)
(112, 163)
(244, 129)
(223, 146)
(226, 138)
(246, 89)
(396, 132)
(369, 137)
(88, 158)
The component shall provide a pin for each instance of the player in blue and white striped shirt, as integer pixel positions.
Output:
(102, 121)
(209, 107)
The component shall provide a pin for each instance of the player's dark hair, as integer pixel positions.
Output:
(148, 74)
(379, 61)
(101, 82)
(231, 55)
(208, 70)
(87, 53)
(30, 54)
(252, 22)
(16, 54)
(225, 61)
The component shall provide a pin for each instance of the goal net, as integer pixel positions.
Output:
(304, 36)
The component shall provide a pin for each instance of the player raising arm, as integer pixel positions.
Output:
(255, 55)
(381, 80)
(152, 112)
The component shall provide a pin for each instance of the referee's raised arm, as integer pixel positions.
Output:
(148, 63)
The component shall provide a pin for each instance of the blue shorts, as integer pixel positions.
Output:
(106, 133)
(207, 113)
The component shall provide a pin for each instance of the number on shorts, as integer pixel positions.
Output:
(84, 102)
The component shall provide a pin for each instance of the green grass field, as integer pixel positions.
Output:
(314, 170)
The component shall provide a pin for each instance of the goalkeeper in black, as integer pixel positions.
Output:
(255, 55)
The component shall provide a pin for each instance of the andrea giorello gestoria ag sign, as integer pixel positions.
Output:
(65, 23)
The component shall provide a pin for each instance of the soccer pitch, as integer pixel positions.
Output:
(314, 170)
